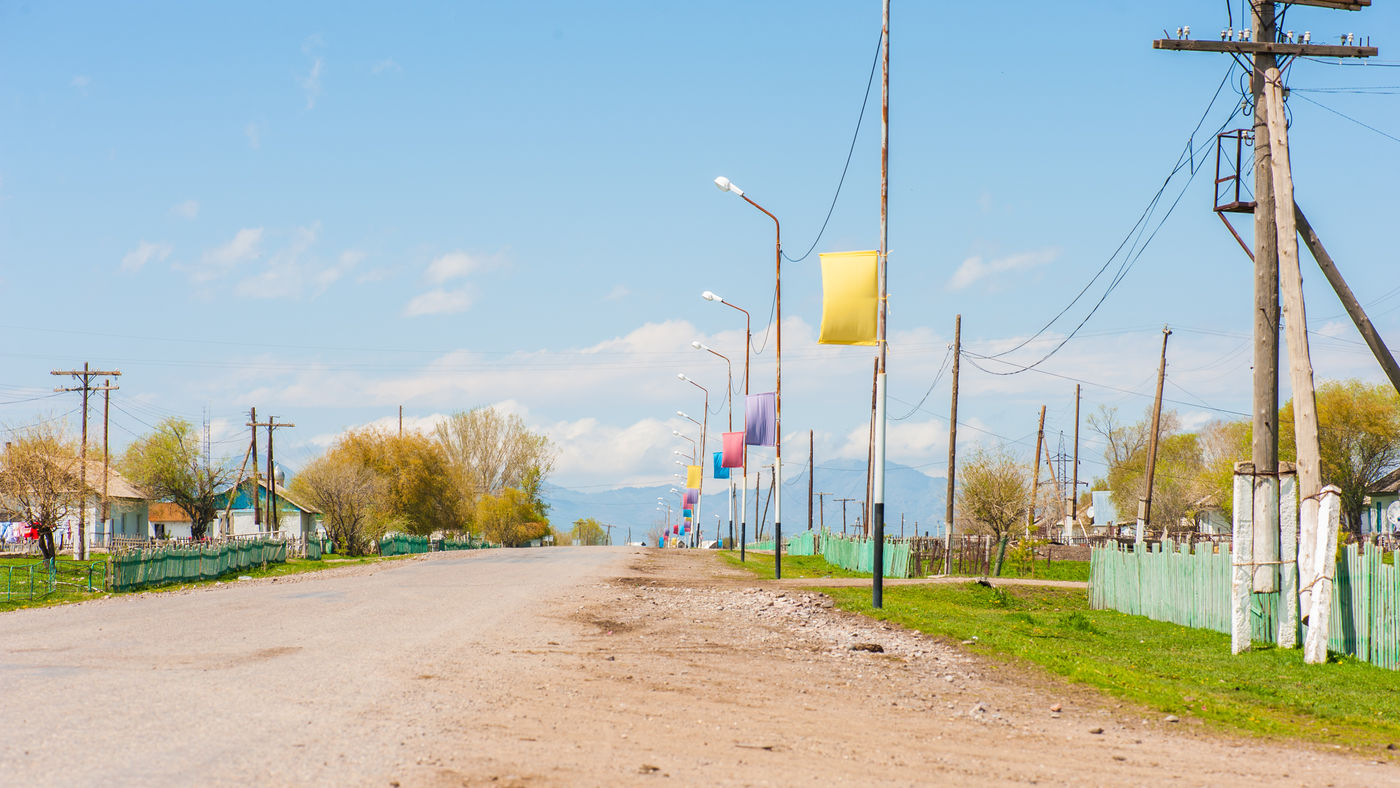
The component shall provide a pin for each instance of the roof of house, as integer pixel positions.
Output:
(163, 512)
(282, 494)
(118, 486)
(1389, 483)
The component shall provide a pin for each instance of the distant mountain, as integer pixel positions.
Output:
(918, 497)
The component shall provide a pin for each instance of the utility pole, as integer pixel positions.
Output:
(870, 446)
(952, 445)
(400, 421)
(107, 389)
(811, 466)
(257, 505)
(85, 379)
(843, 502)
(877, 479)
(1074, 484)
(1145, 504)
(1035, 482)
(821, 508)
(271, 424)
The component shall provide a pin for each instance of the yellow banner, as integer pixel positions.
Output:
(693, 475)
(850, 298)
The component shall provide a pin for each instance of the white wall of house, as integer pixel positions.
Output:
(127, 518)
(291, 522)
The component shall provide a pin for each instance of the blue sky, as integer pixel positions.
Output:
(326, 210)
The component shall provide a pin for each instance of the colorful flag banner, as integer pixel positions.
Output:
(685, 513)
(761, 419)
(733, 449)
(721, 472)
(691, 496)
(850, 298)
(693, 475)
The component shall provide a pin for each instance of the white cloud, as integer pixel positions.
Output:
(253, 131)
(618, 293)
(216, 262)
(81, 83)
(386, 65)
(975, 268)
(454, 265)
(145, 252)
(311, 83)
(1334, 329)
(189, 209)
(439, 301)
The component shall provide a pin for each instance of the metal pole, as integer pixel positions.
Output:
(877, 515)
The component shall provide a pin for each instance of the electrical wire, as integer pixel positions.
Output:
(1387, 135)
(943, 367)
(860, 120)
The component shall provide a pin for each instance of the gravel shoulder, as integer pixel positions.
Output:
(566, 666)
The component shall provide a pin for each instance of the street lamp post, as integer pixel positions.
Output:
(704, 428)
(726, 185)
(744, 462)
(729, 398)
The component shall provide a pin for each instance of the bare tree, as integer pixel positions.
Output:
(39, 480)
(347, 493)
(491, 450)
(994, 491)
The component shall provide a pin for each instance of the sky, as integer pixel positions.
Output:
(330, 210)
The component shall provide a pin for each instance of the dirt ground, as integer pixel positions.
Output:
(565, 666)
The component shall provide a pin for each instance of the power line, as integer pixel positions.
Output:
(854, 136)
(1387, 135)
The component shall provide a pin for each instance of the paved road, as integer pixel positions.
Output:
(326, 679)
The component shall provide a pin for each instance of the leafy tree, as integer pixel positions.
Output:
(39, 480)
(510, 518)
(588, 531)
(1359, 437)
(348, 494)
(994, 491)
(416, 480)
(169, 464)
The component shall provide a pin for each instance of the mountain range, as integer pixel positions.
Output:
(918, 497)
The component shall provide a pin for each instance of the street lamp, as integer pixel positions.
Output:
(704, 429)
(725, 185)
(709, 295)
(729, 398)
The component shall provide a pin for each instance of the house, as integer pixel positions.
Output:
(294, 518)
(169, 521)
(128, 508)
(1381, 507)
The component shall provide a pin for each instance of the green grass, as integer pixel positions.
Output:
(1169, 668)
(1057, 570)
(293, 566)
(806, 566)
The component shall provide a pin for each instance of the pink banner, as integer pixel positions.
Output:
(733, 449)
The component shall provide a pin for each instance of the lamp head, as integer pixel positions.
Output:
(676, 432)
(725, 185)
(681, 376)
(709, 295)
(683, 415)
(697, 344)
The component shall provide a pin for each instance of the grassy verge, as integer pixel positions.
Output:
(293, 566)
(1058, 570)
(810, 566)
(1173, 669)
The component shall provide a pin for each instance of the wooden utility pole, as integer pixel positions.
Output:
(843, 502)
(821, 508)
(1035, 480)
(107, 389)
(401, 423)
(257, 504)
(85, 378)
(1145, 504)
(1348, 299)
(952, 445)
(811, 466)
(1074, 483)
(271, 424)
(870, 447)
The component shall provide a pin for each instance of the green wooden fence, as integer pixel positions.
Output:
(181, 564)
(857, 554)
(1192, 588)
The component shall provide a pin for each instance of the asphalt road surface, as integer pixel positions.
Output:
(563, 666)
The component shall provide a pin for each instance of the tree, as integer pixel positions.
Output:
(169, 464)
(994, 491)
(417, 482)
(39, 480)
(347, 493)
(490, 450)
(1359, 437)
(588, 531)
(510, 518)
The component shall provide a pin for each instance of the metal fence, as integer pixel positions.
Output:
(38, 579)
(1192, 588)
